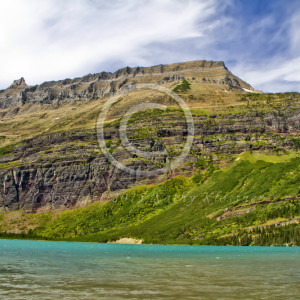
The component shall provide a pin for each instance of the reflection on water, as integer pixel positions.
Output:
(51, 270)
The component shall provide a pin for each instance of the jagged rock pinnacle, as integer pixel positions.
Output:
(19, 83)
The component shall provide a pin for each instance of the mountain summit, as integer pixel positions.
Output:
(94, 86)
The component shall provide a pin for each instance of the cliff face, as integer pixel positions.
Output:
(105, 84)
(50, 158)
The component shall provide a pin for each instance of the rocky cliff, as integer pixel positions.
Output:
(50, 157)
(105, 84)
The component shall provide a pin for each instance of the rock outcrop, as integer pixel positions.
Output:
(19, 83)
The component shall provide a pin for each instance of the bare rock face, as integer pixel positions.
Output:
(15, 95)
(104, 84)
(58, 186)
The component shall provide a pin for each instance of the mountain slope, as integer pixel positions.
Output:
(252, 201)
(50, 158)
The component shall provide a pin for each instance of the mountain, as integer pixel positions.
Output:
(105, 84)
(245, 148)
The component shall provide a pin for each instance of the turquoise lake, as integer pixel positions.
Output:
(62, 270)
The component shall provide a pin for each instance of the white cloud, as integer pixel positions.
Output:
(279, 72)
(45, 40)
(54, 39)
(279, 75)
(293, 37)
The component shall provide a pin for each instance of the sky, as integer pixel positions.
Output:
(259, 40)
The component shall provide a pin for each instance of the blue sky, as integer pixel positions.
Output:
(258, 40)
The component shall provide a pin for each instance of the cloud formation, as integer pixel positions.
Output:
(53, 39)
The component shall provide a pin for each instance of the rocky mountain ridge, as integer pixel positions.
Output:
(105, 84)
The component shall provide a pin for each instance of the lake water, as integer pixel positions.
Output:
(62, 270)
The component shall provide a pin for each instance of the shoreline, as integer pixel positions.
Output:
(127, 241)
(119, 242)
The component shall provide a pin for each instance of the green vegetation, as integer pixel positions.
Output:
(265, 236)
(254, 201)
(296, 143)
(9, 149)
(183, 87)
(4, 150)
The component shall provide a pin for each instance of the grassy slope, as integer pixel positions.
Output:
(183, 210)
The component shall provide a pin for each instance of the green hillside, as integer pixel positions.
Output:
(253, 201)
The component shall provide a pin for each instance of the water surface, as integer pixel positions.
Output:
(53, 270)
